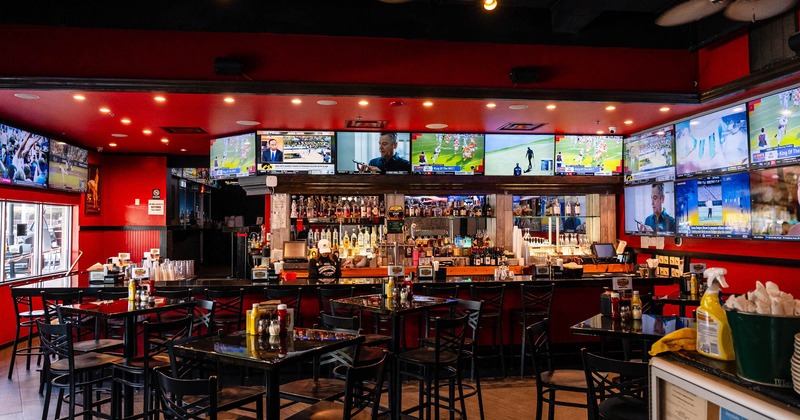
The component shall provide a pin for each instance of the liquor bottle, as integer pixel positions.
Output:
(293, 213)
(363, 208)
(335, 235)
(577, 207)
(487, 210)
(373, 239)
(353, 239)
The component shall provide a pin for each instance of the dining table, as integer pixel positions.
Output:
(396, 309)
(270, 353)
(647, 330)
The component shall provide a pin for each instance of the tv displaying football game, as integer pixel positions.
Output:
(373, 153)
(296, 152)
(773, 133)
(712, 143)
(588, 155)
(650, 157)
(447, 153)
(519, 154)
(774, 205)
(69, 167)
(716, 206)
(23, 157)
(650, 209)
(233, 156)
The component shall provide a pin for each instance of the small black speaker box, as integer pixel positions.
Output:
(524, 75)
(228, 66)
(794, 42)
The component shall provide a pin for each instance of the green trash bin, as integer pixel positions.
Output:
(764, 345)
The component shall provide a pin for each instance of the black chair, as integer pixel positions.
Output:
(113, 328)
(26, 318)
(430, 366)
(327, 294)
(203, 313)
(536, 300)
(66, 370)
(137, 372)
(184, 399)
(333, 322)
(228, 312)
(492, 313)
(291, 296)
(85, 330)
(549, 380)
(364, 385)
(449, 291)
(622, 396)
(175, 295)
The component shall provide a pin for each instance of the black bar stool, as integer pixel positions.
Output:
(26, 318)
(492, 313)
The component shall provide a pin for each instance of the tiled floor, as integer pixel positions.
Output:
(509, 398)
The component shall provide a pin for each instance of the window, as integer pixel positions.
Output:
(36, 239)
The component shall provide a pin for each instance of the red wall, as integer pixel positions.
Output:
(109, 53)
(723, 62)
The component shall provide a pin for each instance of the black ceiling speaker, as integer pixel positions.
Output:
(524, 75)
(228, 66)
(794, 42)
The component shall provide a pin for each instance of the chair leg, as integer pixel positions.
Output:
(522, 353)
(551, 407)
(502, 352)
(539, 402)
(478, 389)
(46, 407)
(14, 354)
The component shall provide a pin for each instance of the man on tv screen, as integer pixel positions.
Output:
(389, 161)
(659, 221)
(273, 154)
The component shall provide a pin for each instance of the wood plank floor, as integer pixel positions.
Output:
(509, 398)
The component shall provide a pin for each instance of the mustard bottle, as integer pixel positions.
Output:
(714, 338)
(253, 315)
(131, 290)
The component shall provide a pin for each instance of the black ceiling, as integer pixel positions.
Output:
(607, 23)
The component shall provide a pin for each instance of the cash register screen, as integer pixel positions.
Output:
(294, 250)
(603, 251)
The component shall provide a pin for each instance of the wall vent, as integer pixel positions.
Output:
(367, 124)
(184, 130)
(521, 126)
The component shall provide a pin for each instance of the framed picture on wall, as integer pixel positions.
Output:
(92, 200)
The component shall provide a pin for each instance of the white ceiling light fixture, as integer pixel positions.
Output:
(518, 107)
(247, 122)
(26, 96)
(490, 4)
(326, 102)
(738, 10)
(436, 126)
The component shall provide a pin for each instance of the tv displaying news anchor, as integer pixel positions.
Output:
(270, 151)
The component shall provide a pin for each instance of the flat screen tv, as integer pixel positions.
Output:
(712, 143)
(774, 206)
(69, 167)
(233, 156)
(774, 129)
(447, 153)
(24, 157)
(296, 152)
(650, 157)
(373, 153)
(588, 155)
(519, 154)
(650, 209)
(716, 206)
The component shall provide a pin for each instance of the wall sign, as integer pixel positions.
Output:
(155, 207)
(156, 194)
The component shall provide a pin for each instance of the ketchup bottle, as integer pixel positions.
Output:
(615, 306)
(283, 317)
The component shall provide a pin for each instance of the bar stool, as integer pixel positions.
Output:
(228, 311)
(536, 300)
(26, 318)
(86, 333)
(492, 313)
(449, 291)
(326, 294)
(292, 297)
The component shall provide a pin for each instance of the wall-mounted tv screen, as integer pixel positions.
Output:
(716, 206)
(23, 157)
(774, 206)
(519, 154)
(296, 152)
(650, 157)
(650, 209)
(69, 167)
(233, 156)
(773, 131)
(588, 155)
(373, 153)
(447, 153)
(712, 143)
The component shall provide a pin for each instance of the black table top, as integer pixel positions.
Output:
(120, 308)
(650, 327)
(382, 304)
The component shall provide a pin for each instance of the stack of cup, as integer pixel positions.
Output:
(796, 364)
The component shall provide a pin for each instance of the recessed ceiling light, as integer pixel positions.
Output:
(247, 122)
(26, 96)
(599, 131)
(491, 105)
(363, 102)
(610, 108)
(229, 100)
(125, 120)
(183, 150)
(490, 4)
(79, 97)
(147, 131)
(551, 106)
(326, 102)
(628, 122)
(436, 126)
(119, 135)
(165, 140)
(160, 99)
(518, 107)
(105, 110)
(297, 101)
(427, 103)
(664, 109)
(112, 144)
